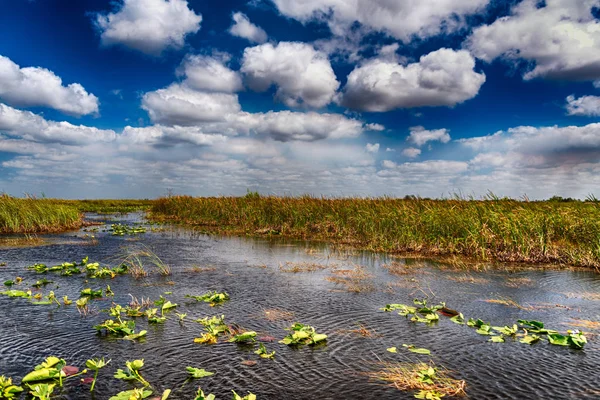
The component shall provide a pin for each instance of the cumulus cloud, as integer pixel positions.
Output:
(242, 27)
(150, 26)
(423, 170)
(303, 75)
(544, 147)
(560, 39)
(311, 126)
(210, 74)
(40, 87)
(375, 127)
(177, 104)
(27, 125)
(419, 135)
(168, 136)
(444, 77)
(411, 152)
(372, 148)
(403, 20)
(585, 106)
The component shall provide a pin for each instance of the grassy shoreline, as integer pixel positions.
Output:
(36, 216)
(32, 215)
(548, 232)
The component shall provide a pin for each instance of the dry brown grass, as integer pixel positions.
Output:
(584, 323)
(468, 278)
(24, 241)
(277, 314)
(196, 268)
(398, 268)
(405, 376)
(356, 280)
(295, 267)
(591, 296)
(507, 301)
(518, 282)
(362, 331)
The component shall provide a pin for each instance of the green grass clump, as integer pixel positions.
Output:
(492, 229)
(30, 215)
(107, 206)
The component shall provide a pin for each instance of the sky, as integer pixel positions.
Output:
(140, 98)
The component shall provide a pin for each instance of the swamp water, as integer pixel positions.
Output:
(250, 271)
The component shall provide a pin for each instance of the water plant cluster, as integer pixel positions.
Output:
(527, 332)
(491, 229)
(41, 382)
(123, 229)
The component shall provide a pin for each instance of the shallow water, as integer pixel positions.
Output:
(248, 269)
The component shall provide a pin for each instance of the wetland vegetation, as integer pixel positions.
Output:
(152, 311)
(505, 230)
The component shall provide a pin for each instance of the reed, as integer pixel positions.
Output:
(492, 229)
(30, 215)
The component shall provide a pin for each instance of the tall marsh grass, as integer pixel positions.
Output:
(493, 229)
(28, 215)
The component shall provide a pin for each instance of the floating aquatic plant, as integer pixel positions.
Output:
(16, 293)
(7, 389)
(132, 373)
(249, 396)
(89, 292)
(420, 376)
(420, 311)
(263, 353)
(244, 337)
(135, 394)
(42, 282)
(201, 396)
(574, 339)
(302, 334)
(417, 350)
(213, 298)
(50, 368)
(153, 317)
(198, 372)
(42, 391)
(122, 230)
(95, 364)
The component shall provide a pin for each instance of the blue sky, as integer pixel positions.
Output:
(131, 98)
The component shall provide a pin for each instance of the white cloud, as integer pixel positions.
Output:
(545, 147)
(587, 106)
(390, 149)
(166, 136)
(424, 169)
(419, 135)
(27, 125)
(441, 78)
(243, 28)
(303, 76)
(40, 87)
(375, 127)
(149, 26)
(411, 152)
(210, 74)
(311, 126)
(560, 40)
(403, 20)
(177, 104)
(372, 148)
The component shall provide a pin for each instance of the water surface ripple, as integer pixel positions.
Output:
(249, 270)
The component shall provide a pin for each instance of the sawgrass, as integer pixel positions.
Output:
(29, 215)
(505, 230)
